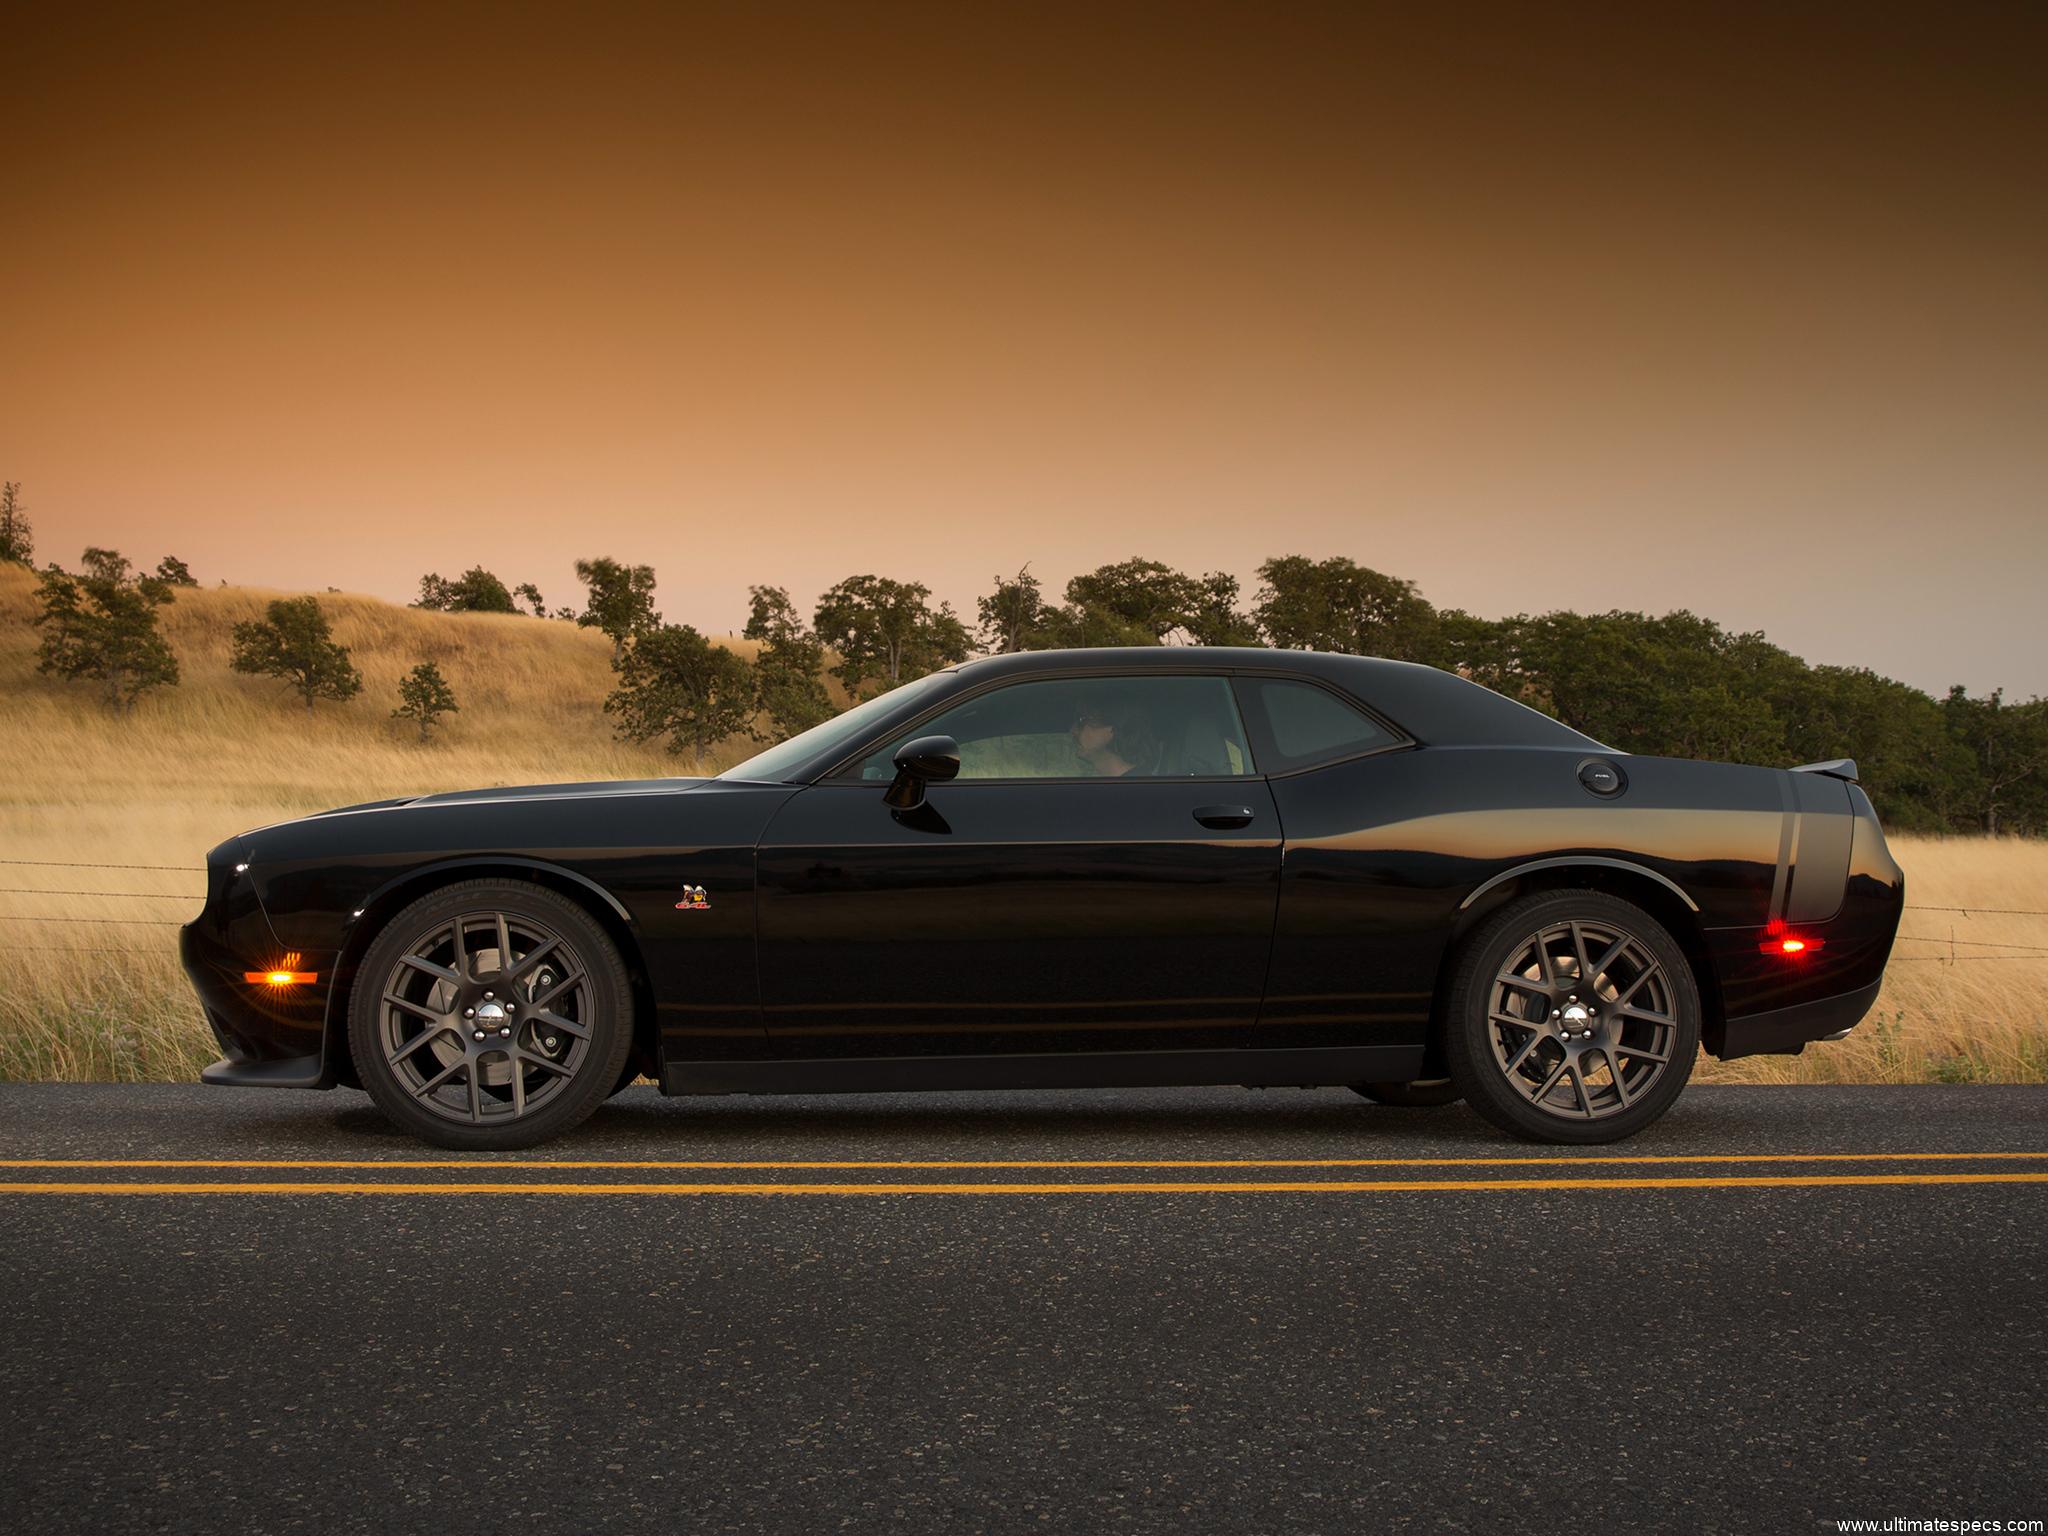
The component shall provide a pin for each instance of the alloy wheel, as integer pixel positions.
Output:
(486, 1017)
(1582, 1019)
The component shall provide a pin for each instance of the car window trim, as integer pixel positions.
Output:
(838, 772)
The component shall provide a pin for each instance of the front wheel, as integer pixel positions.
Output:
(1572, 1017)
(490, 1015)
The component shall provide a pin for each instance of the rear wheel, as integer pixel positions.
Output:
(490, 1015)
(1573, 1016)
(1423, 1093)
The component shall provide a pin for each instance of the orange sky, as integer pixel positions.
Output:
(1738, 310)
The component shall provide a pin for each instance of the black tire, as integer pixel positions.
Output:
(1524, 1026)
(1423, 1093)
(438, 968)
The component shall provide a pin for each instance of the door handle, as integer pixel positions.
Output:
(1223, 815)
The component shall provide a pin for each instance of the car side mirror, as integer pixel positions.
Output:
(924, 761)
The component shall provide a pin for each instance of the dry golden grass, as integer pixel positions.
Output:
(222, 752)
(1981, 1019)
(102, 998)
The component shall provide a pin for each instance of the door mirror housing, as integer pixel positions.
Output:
(926, 760)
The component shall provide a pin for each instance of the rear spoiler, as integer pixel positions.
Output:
(1834, 768)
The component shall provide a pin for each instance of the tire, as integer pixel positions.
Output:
(1553, 1078)
(435, 980)
(1423, 1093)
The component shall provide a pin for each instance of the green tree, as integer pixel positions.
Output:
(528, 593)
(102, 626)
(787, 667)
(1917, 776)
(1075, 625)
(1476, 648)
(173, 572)
(1681, 686)
(1141, 594)
(425, 696)
(1015, 616)
(2009, 743)
(1340, 605)
(1664, 686)
(621, 602)
(1134, 596)
(17, 536)
(886, 632)
(675, 683)
(476, 590)
(293, 643)
(106, 564)
(1211, 617)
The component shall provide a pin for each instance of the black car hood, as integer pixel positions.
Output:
(600, 789)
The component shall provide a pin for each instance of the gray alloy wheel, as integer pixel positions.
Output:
(491, 1014)
(1423, 1093)
(1573, 1017)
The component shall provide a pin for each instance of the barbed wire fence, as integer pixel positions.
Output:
(2034, 953)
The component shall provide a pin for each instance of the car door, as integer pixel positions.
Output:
(1101, 877)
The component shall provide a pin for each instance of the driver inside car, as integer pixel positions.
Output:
(1114, 737)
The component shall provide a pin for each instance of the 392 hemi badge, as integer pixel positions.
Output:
(693, 899)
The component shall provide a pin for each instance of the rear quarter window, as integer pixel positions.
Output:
(1301, 724)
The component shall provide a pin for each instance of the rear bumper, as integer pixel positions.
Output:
(1786, 1031)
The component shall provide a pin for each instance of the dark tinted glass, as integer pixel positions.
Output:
(1091, 727)
(1311, 725)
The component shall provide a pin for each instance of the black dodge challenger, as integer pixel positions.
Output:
(1068, 869)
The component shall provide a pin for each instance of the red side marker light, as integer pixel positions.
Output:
(1789, 944)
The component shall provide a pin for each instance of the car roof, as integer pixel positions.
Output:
(1436, 707)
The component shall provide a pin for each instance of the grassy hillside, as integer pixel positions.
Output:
(101, 997)
(222, 751)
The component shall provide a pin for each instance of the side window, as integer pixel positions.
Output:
(1302, 725)
(1091, 727)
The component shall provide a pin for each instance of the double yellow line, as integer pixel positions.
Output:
(1563, 1181)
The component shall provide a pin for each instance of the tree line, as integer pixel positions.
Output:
(1674, 684)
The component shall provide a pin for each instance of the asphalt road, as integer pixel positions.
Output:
(1079, 1352)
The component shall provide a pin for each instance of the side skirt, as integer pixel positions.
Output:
(1317, 1068)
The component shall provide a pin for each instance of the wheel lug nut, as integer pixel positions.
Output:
(479, 1034)
(505, 1032)
(469, 1013)
(551, 1042)
(487, 997)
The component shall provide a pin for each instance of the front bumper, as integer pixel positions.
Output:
(268, 1037)
(292, 1072)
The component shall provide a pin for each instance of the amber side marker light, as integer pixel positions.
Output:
(283, 976)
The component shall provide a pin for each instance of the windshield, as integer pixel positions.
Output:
(840, 733)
